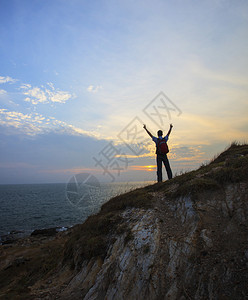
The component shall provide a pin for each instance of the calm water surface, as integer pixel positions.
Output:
(26, 207)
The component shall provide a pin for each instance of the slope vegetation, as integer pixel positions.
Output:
(182, 239)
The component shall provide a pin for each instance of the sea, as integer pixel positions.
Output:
(26, 207)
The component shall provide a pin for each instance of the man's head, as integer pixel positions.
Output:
(160, 133)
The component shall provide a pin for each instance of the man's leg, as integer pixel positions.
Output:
(167, 166)
(159, 168)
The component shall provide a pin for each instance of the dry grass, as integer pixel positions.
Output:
(92, 237)
(233, 151)
(27, 266)
(136, 198)
(230, 166)
(195, 186)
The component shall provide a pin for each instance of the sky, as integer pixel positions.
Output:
(78, 79)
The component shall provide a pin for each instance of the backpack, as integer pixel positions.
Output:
(162, 147)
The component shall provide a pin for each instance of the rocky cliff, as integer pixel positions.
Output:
(182, 239)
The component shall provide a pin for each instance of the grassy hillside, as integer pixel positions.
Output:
(92, 237)
(34, 259)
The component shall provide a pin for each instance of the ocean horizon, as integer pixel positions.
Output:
(27, 207)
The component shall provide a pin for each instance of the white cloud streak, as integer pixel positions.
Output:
(35, 96)
(32, 124)
(43, 95)
(7, 79)
(93, 89)
(3, 92)
(40, 95)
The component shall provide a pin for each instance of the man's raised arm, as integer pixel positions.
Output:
(147, 131)
(170, 129)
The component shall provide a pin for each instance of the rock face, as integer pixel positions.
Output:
(183, 239)
(181, 249)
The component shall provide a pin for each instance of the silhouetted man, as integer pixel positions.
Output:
(161, 154)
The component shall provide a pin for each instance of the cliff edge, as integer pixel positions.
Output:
(181, 239)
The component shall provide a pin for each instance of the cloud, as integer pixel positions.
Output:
(15, 165)
(93, 89)
(14, 123)
(3, 92)
(187, 153)
(7, 79)
(25, 86)
(37, 95)
(71, 171)
(147, 168)
(58, 96)
(50, 157)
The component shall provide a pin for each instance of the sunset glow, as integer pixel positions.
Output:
(78, 79)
